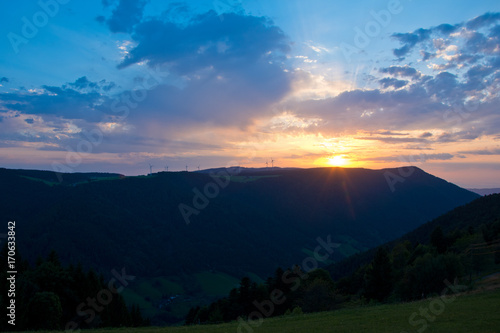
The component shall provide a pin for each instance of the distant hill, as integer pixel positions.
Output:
(56, 178)
(483, 210)
(259, 221)
(242, 222)
(485, 191)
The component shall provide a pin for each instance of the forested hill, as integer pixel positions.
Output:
(470, 217)
(248, 222)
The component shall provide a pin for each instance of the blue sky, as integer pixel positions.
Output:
(114, 85)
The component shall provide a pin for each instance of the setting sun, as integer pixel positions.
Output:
(338, 160)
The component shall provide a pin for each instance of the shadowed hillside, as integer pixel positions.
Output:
(192, 236)
(267, 218)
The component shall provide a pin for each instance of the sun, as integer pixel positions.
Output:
(337, 160)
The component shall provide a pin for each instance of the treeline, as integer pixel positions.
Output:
(313, 291)
(403, 272)
(50, 296)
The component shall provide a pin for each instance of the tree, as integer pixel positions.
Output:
(44, 311)
(317, 296)
(438, 240)
(378, 277)
(192, 315)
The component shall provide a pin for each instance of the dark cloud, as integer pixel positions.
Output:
(447, 29)
(444, 85)
(390, 139)
(83, 83)
(233, 67)
(4, 79)
(232, 71)
(427, 55)
(29, 121)
(476, 41)
(57, 101)
(495, 151)
(126, 14)
(409, 40)
(414, 158)
(459, 136)
(208, 42)
(483, 20)
(233, 99)
(392, 82)
(401, 71)
(391, 133)
(476, 77)
(447, 100)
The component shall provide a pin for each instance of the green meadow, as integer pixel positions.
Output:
(477, 312)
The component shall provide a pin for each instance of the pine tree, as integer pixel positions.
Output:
(378, 278)
(438, 240)
(44, 311)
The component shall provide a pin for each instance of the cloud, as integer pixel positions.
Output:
(231, 72)
(401, 71)
(55, 101)
(391, 133)
(483, 20)
(389, 139)
(392, 82)
(3, 79)
(234, 82)
(83, 83)
(494, 151)
(125, 15)
(232, 69)
(459, 136)
(409, 40)
(445, 85)
(414, 158)
(208, 42)
(475, 40)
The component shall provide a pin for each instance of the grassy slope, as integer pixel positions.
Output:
(467, 313)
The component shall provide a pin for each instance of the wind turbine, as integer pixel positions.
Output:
(186, 168)
(198, 168)
(272, 163)
(150, 169)
(166, 168)
(267, 164)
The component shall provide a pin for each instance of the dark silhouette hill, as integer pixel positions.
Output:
(254, 222)
(481, 211)
(485, 191)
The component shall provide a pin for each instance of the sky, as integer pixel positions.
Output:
(119, 85)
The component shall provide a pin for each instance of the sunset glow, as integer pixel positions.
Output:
(338, 160)
(211, 85)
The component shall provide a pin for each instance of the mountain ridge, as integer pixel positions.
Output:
(355, 206)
